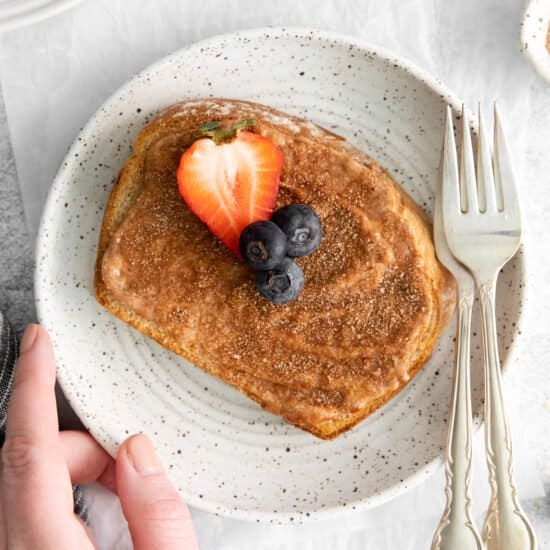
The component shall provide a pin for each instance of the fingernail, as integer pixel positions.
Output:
(142, 455)
(29, 337)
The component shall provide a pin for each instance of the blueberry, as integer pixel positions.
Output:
(282, 284)
(263, 245)
(302, 227)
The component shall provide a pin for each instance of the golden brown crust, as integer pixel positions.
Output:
(314, 380)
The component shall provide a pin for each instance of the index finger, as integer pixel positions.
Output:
(36, 487)
(32, 410)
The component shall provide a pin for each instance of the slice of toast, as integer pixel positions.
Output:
(375, 298)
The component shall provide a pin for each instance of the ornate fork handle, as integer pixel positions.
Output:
(456, 529)
(506, 527)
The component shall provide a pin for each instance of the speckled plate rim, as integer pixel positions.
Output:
(50, 205)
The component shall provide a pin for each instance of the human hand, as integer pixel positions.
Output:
(39, 464)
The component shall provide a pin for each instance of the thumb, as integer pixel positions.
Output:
(157, 517)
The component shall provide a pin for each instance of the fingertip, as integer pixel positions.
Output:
(142, 456)
(121, 458)
(155, 512)
(29, 338)
(36, 361)
(34, 336)
(32, 395)
(122, 449)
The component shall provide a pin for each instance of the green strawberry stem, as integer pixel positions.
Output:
(222, 135)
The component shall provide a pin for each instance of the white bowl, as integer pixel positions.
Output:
(17, 13)
(223, 452)
(534, 30)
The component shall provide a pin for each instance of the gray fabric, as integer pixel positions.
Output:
(80, 507)
(16, 261)
(8, 355)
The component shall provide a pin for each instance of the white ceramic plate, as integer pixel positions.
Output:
(223, 452)
(534, 28)
(16, 13)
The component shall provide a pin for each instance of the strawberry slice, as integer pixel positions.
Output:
(230, 184)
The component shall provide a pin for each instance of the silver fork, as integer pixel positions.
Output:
(456, 530)
(482, 223)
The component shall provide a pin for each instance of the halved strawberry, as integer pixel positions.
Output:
(230, 184)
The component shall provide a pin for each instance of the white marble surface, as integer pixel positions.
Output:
(472, 47)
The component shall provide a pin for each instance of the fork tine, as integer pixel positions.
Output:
(484, 174)
(450, 200)
(504, 174)
(468, 193)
